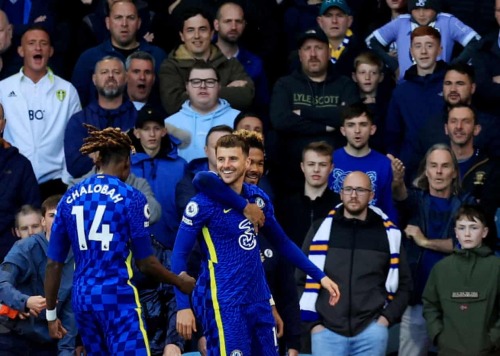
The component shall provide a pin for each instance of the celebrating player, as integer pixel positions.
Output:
(105, 221)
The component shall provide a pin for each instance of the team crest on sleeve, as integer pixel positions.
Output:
(236, 353)
(191, 209)
(260, 202)
(60, 94)
(147, 215)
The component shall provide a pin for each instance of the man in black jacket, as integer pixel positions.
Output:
(361, 249)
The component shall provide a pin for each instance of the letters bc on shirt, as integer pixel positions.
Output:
(104, 221)
(233, 269)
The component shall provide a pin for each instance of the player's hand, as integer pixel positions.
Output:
(279, 322)
(185, 323)
(36, 304)
(172, 350)
(256, 216)
(56, 330)
(202, 346)
(332, 288)
(80, 351)
(187, 284)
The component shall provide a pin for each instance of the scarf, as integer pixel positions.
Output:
(317, 254)
(336, 53)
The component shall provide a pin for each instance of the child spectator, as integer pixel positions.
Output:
(422, 13)
(461, 296)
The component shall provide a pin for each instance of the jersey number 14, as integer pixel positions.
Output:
(104, 236)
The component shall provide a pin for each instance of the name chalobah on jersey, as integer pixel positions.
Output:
(96, 188)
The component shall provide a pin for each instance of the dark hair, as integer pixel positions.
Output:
(422, 181)
(26, 209)
(322, 148)
(50, 203)
(218, 128)
(472, 212)
(139, 55)
(199, 64)
(112, 144)
(195, 11)
(37, 27)
(254, 139)
(463, 68)
(458, 106)
(356, 110)
(425, 31)
(232, 141)
(244, 114)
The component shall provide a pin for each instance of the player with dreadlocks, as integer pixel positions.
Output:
(105, 221)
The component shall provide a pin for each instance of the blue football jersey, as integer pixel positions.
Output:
(232, 273)
(104, 221)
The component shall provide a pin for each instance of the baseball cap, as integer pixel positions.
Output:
(341, 4)
(426, 4)
(147, 113)
(313, 33)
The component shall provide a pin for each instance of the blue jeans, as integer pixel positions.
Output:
(370, 342)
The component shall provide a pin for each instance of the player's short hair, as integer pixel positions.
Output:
(112, 144)
(218, 128)
(425, 31)
(50, 203)
(463, 68)
(26, 209)
(322, 148)
(369, 58)
(145, 56)
(232, 141)
(254, 139)
(199, 64)
(458, 106)
(471, 212)
(356, 110)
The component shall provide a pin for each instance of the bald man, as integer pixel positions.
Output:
(362, 250)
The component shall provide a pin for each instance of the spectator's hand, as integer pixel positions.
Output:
(330, 128)
(496, 79)
(172, 350)
(202, 346)
(296, 112)
(41, 18)
(237, 83)
(80, 351)
(23, 316)
(398, 168)
(332, 288)
(56, 330)
(188, 283)
(256, 216)
(185, 323)
(414, 232)
(278, 321)
(149, 37)
(36, 304)
(86, 2)
(382, 320)
(293, 352)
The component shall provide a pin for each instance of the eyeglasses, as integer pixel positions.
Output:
(209, 83)
(359, 191)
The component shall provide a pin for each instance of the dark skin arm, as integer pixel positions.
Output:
(152, 267)
(53, 274)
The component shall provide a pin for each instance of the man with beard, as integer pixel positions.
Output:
(230, 24)
(38, 105)
(357, 245)
(458, 90)
(110, 110)
(123, 23)
(305, 107)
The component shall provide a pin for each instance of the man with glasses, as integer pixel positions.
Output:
(359, 248)
(203, 110)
